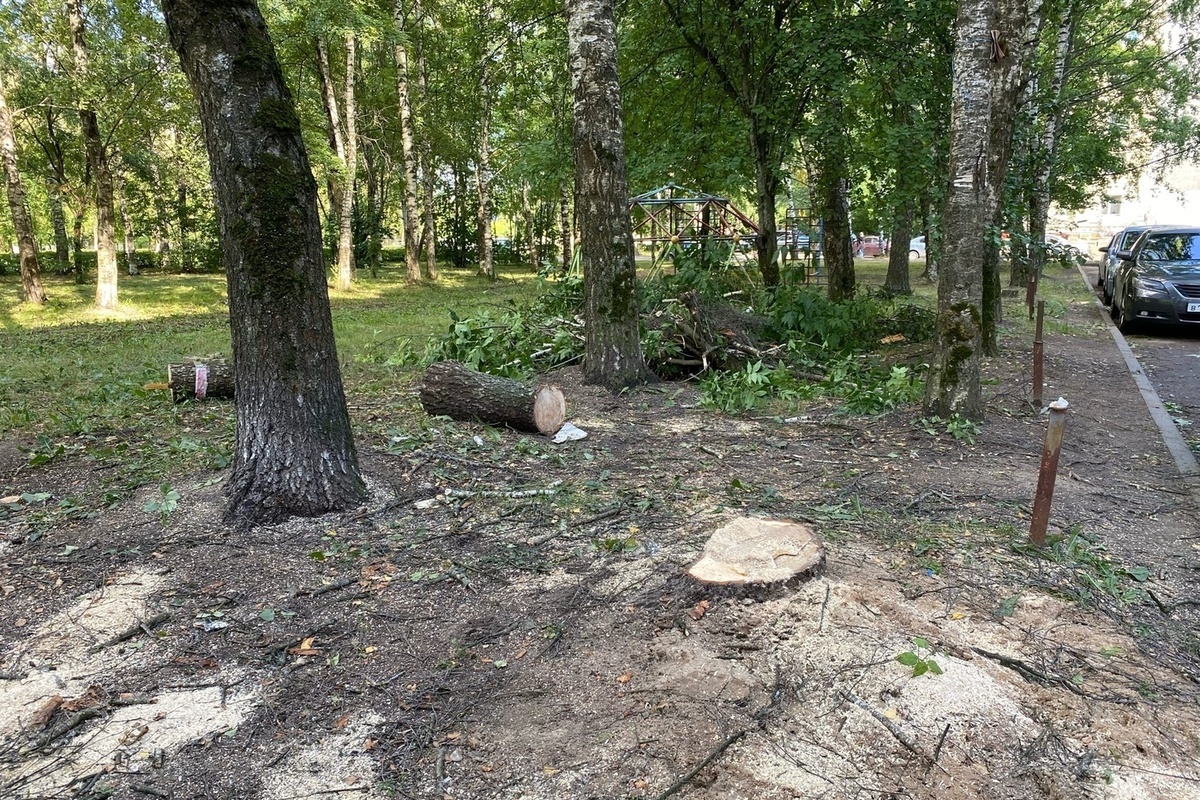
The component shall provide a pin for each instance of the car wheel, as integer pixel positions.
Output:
(913, 254)
(1121, 318)
(1105, 293)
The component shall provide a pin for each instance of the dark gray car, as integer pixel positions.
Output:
(1158, 279)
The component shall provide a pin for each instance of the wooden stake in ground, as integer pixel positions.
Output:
(453, 390)
(758, 552)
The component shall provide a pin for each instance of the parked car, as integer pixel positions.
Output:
(870, 246)
(1158, 279)
(916, 247)
(1057, 246)
(1121, 240)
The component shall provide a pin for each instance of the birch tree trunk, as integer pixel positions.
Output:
(412, 258)
(612, 345)
(294, 453)
(31, 279)
(1046, 150)
(564, 228)
(128, 248)
(993, 39)
(341, 186)
(97, 160)
(428, 183)
(345, 264)
(483, 159)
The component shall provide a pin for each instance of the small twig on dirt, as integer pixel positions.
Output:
(824, 608)
(1168, 608)
(694, 771)
(892, 728)
(131, 631)
(340, 583)
(135, 700)
(141, 788)
(937, 751)
(13, 676)
(66, 726)
(1030, 673)
(538, 541)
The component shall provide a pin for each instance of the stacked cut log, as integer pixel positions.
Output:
(453, 390)
(200, 379)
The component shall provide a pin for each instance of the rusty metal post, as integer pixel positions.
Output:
(1030, 293)
(1047, 473)
(1037, 355)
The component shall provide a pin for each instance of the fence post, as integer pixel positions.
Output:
(1047, 473)
(1038, 355)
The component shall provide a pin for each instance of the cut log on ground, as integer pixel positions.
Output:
(453, 390)
(758, 552)
(201, 379)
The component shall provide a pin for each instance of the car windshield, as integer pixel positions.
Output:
(1172, 246)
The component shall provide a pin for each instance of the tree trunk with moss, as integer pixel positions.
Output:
(993, 39)
(97, 164)
(31, 279)
(294, 453)
(612, 345)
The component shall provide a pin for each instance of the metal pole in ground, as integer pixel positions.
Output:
(1047, 473)
(1037, 355)
(1030, 293)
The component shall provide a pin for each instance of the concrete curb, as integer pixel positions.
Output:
(1185, 459)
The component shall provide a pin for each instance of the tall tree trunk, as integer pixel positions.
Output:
(31, 279)
(341, 188)
(1046, 150)
(564, 228)
(97, 160)
(612, 344)
(128, 247)
(527, 215)
(77, 211)
(897, 280)
(993, 38)
(408, 153)
(58, 219)
(766, 179)
(428, 182)
(483, 162)
(294, 452)
(345, 262)
(835, 211)
(374, 233)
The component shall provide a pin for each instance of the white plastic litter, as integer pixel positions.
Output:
(569, 433)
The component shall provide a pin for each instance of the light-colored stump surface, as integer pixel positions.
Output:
(754, 552)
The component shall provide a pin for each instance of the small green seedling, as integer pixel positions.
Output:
(920, 658)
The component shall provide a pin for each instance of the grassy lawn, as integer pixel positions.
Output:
(74, 381)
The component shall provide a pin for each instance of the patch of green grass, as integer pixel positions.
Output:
(77, 383)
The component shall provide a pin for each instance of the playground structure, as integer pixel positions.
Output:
(672, 219)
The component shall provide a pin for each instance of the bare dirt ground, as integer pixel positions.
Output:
(509, 618)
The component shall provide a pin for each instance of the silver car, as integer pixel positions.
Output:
(1121, 240)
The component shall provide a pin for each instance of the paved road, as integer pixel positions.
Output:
(1170, 357)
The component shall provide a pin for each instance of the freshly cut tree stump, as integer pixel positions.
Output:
(200, 379)
(453, 390)
(758, 552)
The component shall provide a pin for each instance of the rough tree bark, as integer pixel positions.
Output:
(97, 161)
(993, 40)
(408, 153)
(294, 453)
(451, 389)
(31, 279)
(897, 280)
(564, 227)
(612, 346)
